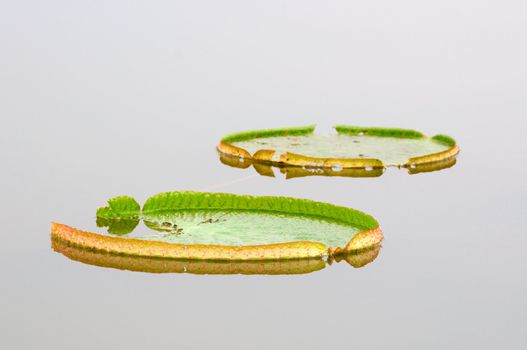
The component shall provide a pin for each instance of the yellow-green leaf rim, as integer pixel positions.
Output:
(251, 267)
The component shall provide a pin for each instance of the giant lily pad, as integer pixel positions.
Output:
(352, 151)
(218, 226)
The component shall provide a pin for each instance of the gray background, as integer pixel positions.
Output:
(105, 98)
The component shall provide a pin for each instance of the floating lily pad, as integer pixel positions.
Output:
(217, 226)
(351, 151)
(161, 265)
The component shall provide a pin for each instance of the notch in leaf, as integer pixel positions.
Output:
(121, 216)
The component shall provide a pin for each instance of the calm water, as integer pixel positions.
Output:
(94, 106)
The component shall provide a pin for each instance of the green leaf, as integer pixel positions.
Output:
(248, 135)
(122, 207)
(382, 132)
(445, 139)
(170, 202)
